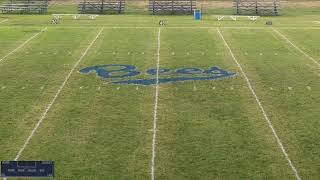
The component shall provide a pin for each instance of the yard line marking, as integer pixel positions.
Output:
(261, 107)
(56, 96)
(190, 27)
(23, 44)
(155, 110)
(296, 47)
(5, 20)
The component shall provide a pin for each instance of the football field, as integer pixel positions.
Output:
(121, 98)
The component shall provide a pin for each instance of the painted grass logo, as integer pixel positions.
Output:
(123, 74)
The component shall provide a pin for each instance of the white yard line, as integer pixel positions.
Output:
(55, 97)
(21, 45)
(5, 20)
(155, 111)
(261, 108)
(182, 27)
(296, 47)
(199, 27)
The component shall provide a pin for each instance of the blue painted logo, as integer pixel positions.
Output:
(123, 74)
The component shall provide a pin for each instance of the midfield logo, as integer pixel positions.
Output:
(128, 74)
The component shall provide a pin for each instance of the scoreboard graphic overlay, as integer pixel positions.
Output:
(25, 169)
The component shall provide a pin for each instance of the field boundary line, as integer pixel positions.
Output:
(155, 110)
(44, 115)
(177, 27)
(261, 107)
(5, 20)
(23, 44)
(296, 47)
(197, 27)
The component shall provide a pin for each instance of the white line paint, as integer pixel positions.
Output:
(55, 97)
(261, 108)
(201, 27)
(5, 20)
(23, 44)
(184, 27)
(155, 110)
(296, 47)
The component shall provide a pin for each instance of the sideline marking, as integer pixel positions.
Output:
(261, 107)
(184, 27)
(5, 20)
(155, 110)
(21, 45)
(296, 47)
(55, 97)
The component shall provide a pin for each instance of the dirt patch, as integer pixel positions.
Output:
(307, 4)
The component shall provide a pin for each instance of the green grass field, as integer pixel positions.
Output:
(208, 129)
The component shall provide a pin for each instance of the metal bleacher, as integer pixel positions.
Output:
(101, 6)
(257, 7)
(24, 6)
(172, 6)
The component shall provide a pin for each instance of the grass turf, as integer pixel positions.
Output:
(98, 130)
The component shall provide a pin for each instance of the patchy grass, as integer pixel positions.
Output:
(206, 129)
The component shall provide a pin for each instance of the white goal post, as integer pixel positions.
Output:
(235, 18)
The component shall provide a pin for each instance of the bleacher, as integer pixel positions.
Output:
(25, 6)
(172, 6)
(257, 7)
(101, 6)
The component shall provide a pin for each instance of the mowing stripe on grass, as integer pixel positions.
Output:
(56, 96)
(23, 44)
(3, 21)
(261, 107)
(155, 110)
(296, 47)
